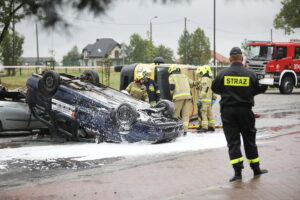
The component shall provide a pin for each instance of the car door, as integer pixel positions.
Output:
(14, 115)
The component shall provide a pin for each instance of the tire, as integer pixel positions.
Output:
(125, 116)
(263, 88)
(286, 86)
(49, 83)
(90, 76)
(169, 108)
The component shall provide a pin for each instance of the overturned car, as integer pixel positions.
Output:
(81, 108)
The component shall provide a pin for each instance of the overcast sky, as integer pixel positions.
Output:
(235, 21)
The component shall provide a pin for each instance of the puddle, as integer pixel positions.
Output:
(285, 114)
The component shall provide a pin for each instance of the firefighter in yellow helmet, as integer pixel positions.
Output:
(136, 88)
(151, 87)
(180, 88)
(206, 98)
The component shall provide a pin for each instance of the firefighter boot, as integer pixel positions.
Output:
(211, 129)
(256, 169)
(237, 175)
(202, 130)
(237, 172)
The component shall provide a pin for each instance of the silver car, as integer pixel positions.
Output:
(15, 114)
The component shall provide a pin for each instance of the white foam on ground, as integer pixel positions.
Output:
(91, 151)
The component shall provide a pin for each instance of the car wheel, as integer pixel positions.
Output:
(169, 108)
(49, 83)
(90, 76)
(125, 115)
(286, 86)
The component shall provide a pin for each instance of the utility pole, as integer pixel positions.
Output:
(185, 42)
(271, 35)
(151, 28)
(13, 38)
(37, 47)
(214, 38)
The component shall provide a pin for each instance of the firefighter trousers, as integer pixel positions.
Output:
(240, 120)
(207, 115)
(183, 109)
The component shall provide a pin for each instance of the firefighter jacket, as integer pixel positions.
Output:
(182, 89)
(237, 85)
(205, 92)
(152, 90)
(138, 91)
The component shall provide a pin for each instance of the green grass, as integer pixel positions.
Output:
(19, 80)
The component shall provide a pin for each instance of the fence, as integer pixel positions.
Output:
(16, 76)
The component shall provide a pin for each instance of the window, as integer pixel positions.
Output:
(297, 53)
(117, 54)
(281, 52)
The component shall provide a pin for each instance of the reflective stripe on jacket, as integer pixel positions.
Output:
(205, 92)
(182, 88)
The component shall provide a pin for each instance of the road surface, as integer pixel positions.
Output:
(194, 167)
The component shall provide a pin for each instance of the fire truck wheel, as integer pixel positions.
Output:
(286, 86)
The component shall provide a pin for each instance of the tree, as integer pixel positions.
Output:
(200, 47)
(48, 10)
(10, 53)
(166, 53)
(244, 46)
(184, 46)
(194, 48)
(137, 49)
(289, 16)
(150, 51)
(72, 56)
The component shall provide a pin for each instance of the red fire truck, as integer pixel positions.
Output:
(277, 64)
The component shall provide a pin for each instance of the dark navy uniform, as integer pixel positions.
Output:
(237, 86)
(153, 91)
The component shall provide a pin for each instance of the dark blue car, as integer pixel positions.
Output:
(81, 108)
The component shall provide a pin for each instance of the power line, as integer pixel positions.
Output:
(121, 24)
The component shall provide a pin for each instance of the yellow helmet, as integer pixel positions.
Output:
(173, 68)
(201, 71)
(139, 76)
(208, 69)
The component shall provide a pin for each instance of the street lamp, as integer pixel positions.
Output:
(151, 27)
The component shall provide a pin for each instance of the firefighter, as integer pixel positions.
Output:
(198, 87)
(206, 99)
(237, 86)
(136, 88)
(151, 87)
(180, 88)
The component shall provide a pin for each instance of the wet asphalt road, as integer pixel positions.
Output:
(279, 114)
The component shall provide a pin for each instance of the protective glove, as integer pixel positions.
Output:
(153, 103)
(125, 92)
(214, 101)
(199, 100)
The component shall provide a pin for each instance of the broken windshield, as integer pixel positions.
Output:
(260, 52)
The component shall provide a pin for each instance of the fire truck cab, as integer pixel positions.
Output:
(277, 64)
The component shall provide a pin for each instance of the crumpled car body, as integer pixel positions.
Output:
(76, 108)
